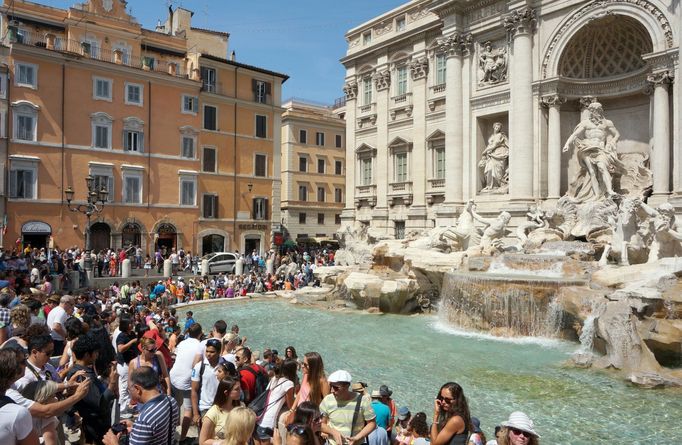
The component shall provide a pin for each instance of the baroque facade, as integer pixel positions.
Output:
(185, 141)
(313, 170)
(451, 100)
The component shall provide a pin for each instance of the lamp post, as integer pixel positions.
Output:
(94, 204)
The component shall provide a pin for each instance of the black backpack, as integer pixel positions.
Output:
(262, 380)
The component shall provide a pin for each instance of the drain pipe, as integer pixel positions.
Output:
(234, 192)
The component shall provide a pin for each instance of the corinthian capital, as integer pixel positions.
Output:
(553, 100)
(382, 80)
(455, 44)
(350, 89)
(519, 21)
(663, 78)
(419, 68)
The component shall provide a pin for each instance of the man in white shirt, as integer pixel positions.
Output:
(204, 381)
(56, 319)
(38, 367)
(181, 375)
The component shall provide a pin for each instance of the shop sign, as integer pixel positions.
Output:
(278, 239)
(36, 227)
(253, 226)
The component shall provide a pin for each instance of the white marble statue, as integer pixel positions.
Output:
(667, 239)
(595, 140)
(464, 234)
(495, 161)
(494, 232)
(493, 63)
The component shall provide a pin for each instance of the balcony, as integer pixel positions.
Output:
(436, 183)
(366, 110)
(438, 90)
(400, 190)
(366, 194)
(402, 100)
(53, 42)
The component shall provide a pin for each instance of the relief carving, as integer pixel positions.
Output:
(493, 64)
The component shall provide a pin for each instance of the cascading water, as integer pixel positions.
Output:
(587, 335)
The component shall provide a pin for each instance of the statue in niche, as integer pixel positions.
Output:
(495, 161)
(493, 63)
(595, 139)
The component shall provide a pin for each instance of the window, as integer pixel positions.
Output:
(26, 75)
(3, 86)
(190, 104)
(125, 52)
(302, 164)
(440, 69)
(132, 187)
(208, 79)
(133, 141)
(319, 139)
(366, 91)
(103, 178)
(210, 206)
(261, 90)
(209, 160)
(210, 118)
(338, 195)
(367, 38)
(302, 193)
(399, 232)
(366, 168)
(320, 194)
(261, 165)
(400, 24)
(101, 88)
(337, 219)
(188, 147)
(23, 178)
(439, 164)
(401, 85)
(303, 137)
(188, 190)
(261, 126)
(91, 46)
(401, 167)
(101, 130)
(25, 127)
(338, 167)
(338, 141)
(301, 218)
(260, 208)
(320, 218)
(134, 94)
(320, 165)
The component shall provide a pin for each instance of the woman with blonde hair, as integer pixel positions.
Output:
(44, 392)
(226, 401)
(239, 427)
(518, 430)
(152, 357)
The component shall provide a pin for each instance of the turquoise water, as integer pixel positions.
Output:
(415, 355)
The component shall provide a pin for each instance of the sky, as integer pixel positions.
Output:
(301, 38)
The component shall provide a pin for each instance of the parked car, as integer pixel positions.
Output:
(221, 262)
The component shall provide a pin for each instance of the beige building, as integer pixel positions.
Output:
(313, 170)
(453, 100)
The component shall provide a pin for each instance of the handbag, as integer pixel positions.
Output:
(261, 403)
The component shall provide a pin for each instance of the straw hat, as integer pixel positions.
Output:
(522, 422)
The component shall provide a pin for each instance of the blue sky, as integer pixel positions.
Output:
(301, 38)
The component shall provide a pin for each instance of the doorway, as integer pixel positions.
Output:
(251, 243)
(167, 240)
(212, 243)
(100, 236)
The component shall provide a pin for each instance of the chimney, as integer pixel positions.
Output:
(233, 56)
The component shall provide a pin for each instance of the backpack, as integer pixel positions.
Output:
(261, 402)
(4, 400)
(262, 380)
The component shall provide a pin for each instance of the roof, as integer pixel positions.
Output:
(210, 31)
(248, 67)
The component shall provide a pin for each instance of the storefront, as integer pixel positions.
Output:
(167, 237)
(36, 234)
(253, 237)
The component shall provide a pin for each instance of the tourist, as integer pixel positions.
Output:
(280, 392)
(126, 352)
(44, 391)
(386, 399)
(300, 434)
(290, 353)
(402, 436)
(518, 430)
(251, 375)
(383, 412)
(226, 399)
(419, 429)
(498, 428)
(181, 375)
(451, 419)
(158, 416)
(16, 425)
(306, 413)
(204, 381)
(239, 427)
(337, 411)
(477, 435)
(151, 356)
(56, 319)
(38, 367)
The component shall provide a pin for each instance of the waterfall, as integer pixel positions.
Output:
(587, 335)
(555, 318)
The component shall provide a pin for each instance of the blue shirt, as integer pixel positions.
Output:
(383, 413)
(156, 422)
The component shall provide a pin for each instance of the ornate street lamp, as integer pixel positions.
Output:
(94, 204)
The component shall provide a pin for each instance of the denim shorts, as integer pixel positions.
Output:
(263, 433)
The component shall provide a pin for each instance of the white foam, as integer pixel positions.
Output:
(443, 327)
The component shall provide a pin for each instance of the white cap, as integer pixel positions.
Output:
(340, 376)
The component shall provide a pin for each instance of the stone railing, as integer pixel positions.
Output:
(401, 100)
(367, 109)
(367, 194)
(436, 183)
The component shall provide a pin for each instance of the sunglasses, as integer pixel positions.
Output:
(297, 429)
(520, 432)
(445, 399)
(336, 387)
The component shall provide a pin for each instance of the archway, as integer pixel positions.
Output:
(167, 237)
(100, 236)
(131, 235)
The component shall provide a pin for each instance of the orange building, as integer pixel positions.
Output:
(182, 140)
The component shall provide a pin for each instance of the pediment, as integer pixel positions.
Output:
(438, 134)
(108, 8)
(399, 142)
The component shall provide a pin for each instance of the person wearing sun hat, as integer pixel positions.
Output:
(338, 409)
(518, 430)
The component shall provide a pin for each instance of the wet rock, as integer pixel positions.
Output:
(653, 380)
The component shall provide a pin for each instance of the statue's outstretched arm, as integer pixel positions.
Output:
(577, 132)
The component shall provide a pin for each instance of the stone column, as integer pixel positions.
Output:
(519, 25)
(382, 83)
(350, 89)
(660, 156)
(553, 104)
(418, 174)
(453, 46)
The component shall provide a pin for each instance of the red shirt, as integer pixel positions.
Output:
(248, 380)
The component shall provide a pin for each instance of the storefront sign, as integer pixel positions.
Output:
(278, 239)
(38, 227)
(253, 227)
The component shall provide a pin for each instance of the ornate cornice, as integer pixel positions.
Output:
(350, 89)
(382, 80)
(455, 44)
(419, 68)
(663, 78)
(519, 21)
(602, 5)
(553, 100)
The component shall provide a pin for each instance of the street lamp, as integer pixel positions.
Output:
(94, 204)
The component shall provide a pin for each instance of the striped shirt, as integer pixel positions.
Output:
(156, 423)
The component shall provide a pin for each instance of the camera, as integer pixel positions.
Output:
(121, 428)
